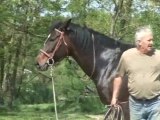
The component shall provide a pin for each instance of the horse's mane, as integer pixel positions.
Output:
(85, 36)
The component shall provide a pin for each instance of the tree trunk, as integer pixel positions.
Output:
(125, 15)
(21, 73)
(121, 17)
(12, 86)
(115, 17)
(2, 64)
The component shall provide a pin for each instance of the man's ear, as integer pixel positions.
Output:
(139, 42)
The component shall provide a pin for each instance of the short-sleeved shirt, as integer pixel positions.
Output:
(143, 73)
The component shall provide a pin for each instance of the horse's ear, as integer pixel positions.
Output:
(66, 24)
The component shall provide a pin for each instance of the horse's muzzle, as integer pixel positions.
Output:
(42, 67)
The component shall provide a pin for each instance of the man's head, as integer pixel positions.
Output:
(144, 39)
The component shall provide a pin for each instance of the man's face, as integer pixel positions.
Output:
(146, 43)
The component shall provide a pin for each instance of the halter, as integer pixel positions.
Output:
(59, 43)
(94, 59)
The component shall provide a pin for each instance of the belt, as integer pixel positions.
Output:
(146, 100)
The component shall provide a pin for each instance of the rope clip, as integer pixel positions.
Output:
(50, 61)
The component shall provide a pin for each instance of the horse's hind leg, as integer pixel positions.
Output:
(125, 108)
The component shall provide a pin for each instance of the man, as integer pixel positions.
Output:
(142, 67)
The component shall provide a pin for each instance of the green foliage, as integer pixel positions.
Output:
(36, 92)
(44, 112)
(87, 104)
(101, 23)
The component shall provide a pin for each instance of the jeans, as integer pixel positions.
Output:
(144, 109)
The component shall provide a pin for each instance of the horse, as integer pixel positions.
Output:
(97, 54)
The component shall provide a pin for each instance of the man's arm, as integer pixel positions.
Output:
(117, 82)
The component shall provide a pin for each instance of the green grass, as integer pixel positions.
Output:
(45, 112)
(42, 116)
(45, 116)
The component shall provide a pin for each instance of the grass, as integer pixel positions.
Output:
(42, 116)
(46, 116)
(45, 112)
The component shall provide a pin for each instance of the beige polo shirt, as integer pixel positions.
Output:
(143, 73)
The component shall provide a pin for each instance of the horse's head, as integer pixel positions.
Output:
(55, 47)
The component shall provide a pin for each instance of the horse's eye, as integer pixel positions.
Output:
(54, 38)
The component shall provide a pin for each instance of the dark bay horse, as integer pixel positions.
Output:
(97, 54)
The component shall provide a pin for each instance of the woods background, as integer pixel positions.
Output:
(24, 25)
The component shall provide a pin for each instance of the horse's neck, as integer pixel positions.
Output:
(82, 52)
(84, 62)
(100, 60)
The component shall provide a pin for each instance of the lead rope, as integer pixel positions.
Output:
(114, 113)
(54, 95)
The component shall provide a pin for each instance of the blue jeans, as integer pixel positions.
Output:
(144, 109)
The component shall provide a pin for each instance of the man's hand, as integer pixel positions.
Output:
(114, 101)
